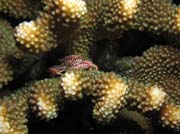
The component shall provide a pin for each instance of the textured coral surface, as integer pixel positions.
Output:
(89, 66)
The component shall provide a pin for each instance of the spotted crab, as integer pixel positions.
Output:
(71, 62)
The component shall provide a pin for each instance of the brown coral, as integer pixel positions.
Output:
(7, 42)
(44, 33)
(107, 88)
(19, 8)
(146, 97)
(159, 65)
(36, 35)
(6, 73)
(110, 19)
(84, 22)
(13, 114)
(45, 98)
(170, 115)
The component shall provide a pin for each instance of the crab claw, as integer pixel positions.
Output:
(56, 70)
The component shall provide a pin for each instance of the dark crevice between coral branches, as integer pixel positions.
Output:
(177, 2)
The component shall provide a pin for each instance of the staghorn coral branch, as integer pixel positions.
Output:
(152, 80)
(13, 113)
(109, 93)
(112, 18)
(170, 115)
(54, 25)
(36, 35)
(19, 8)
(45, 98)
(139, 118)
(146, 97)
(107, 88)
(6, 72)
(159, 65)
(98, 19)
(7, 42)
(8, 49)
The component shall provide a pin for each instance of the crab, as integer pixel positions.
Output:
(71, 62)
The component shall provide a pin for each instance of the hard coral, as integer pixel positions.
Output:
(19, 8)
(6, 73)
(13, 114)
(107, 18)
(7, 42)
(159, 65)
(36, 35)
(8, 49)
(109, 93)
(170, 115)
(149, 83)
(107, 88)
(45, 98)
(44, 33)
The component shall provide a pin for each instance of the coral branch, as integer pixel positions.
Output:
(148, 83)
(159, 65)
(6, 73)
(170, 115)
(50, 27)
(19, 8)
(109, 94)
(7, 42)
(45, 98)
(85, 22)
(139, 118)
(13, 114)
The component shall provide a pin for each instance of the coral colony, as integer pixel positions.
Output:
(146, 83)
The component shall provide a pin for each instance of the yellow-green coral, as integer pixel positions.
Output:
(18, 8)
(84, 22)
(109, 93)
(111, 18)
(13, 114)
(146, 97)
(65, 11)
(158, 16)
(170, 115)
(36, 35)
(7, 42)
(157, 77)
(107, 89)
(104, 19)
(144, 122)
(45, 98)
(8, 49)
(154, 77)
(6, 73)
(43, 34)
(159, 65)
